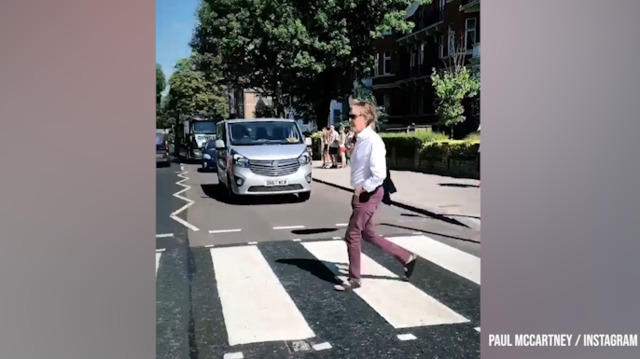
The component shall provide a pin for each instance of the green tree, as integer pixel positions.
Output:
(313, 50)
(452, 84)
(190, 94)
(161, 84)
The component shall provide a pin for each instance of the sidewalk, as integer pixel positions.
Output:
(450, 199)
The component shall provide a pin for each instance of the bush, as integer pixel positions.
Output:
(406, 143)
(463, 150)
(473, 137)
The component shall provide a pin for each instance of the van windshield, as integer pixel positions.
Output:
(264, 133)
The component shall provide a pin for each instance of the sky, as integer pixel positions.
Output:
(175, 21)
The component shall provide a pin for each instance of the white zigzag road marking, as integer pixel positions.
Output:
(174, 215)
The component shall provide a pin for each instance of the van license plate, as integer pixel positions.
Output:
(271, 183)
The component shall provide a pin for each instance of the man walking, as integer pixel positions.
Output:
(368, 172)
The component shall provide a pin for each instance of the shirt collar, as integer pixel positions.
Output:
(367, 132)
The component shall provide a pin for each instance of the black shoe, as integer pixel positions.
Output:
(408, 268)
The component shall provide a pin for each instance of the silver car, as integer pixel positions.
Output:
(263, 156)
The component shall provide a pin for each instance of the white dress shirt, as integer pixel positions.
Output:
(368, 161)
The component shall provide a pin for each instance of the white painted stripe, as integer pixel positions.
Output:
(252, 243)
(158, 255)
(447, 257)
(475, 221)
(397, 301)
(478, 329)
(237, 355)
(174, 215)
(322, 346)
(407, 336)
(296, 239)
(417, 233)
(337, 237)
(160, 250)
(289, 227)
(213, 231)
(240, 273)
(185, 223)
(209, 246)
(342, 224)
(164, 235)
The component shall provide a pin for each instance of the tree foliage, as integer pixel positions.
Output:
(314, 50)
(190, 94)
(160, 83)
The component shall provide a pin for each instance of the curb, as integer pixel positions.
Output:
(424, 211)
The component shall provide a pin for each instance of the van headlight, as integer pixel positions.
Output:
(240, 160)
(304, 158)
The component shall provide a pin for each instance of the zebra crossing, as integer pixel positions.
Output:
(276, 300)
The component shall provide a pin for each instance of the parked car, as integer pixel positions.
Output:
(262, 157)
(209, 155)
(162, 150)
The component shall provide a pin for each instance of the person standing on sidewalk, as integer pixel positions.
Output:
(368, 172)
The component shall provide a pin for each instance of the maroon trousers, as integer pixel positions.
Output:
(361, 227)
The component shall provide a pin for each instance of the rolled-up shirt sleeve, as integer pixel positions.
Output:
(377, 165)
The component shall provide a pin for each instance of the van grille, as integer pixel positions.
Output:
(275, 168)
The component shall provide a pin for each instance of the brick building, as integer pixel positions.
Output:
(401, 81)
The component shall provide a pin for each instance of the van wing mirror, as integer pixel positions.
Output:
(308, 141)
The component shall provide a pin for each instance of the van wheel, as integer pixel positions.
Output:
(304, 196)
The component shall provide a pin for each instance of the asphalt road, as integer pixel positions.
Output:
(259, 274)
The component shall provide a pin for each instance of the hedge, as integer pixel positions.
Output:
(430, 145)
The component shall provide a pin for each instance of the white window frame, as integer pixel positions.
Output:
(441, 46)
(421, 54)
(386, 57)
(470, 31)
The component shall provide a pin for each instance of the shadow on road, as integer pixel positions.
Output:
(428, 232)
(207, 170)
(460, 185)
(321, 270)
(412, 215)
(312, 266)
(219, 193)
(313, 230)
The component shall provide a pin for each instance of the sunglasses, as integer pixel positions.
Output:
(353, 116)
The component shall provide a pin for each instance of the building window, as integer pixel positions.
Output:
(451, 48)
(387, 62)
(421, 55)
(470, 33)
(386, 102)
(379, 65)
(376, 68)
(412, 59)
(441, 47)
(441, 10)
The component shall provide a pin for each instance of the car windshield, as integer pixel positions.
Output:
(204, 127)
(264, 133)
